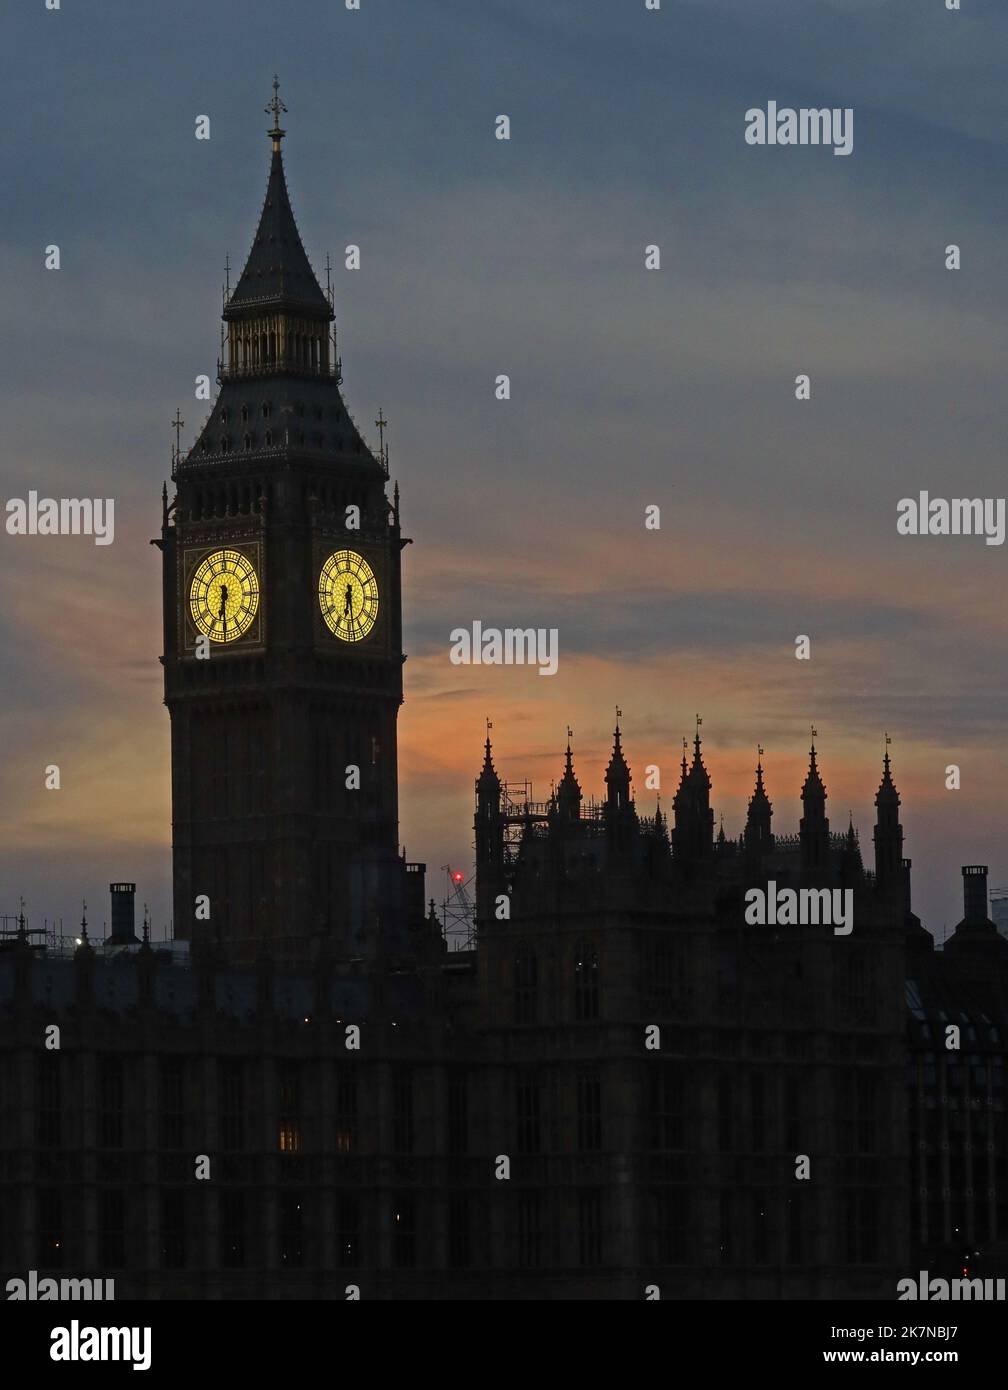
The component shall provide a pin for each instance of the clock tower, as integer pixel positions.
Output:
(283, 634)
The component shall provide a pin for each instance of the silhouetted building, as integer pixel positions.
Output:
(957, 1038)
(626, 1082)
(666, 1065)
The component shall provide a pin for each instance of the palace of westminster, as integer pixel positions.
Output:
(618, 1085)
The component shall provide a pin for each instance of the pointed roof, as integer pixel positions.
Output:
(813, 785)
(887, 793)
(278, 273)
(568, 786)
(759, 799)
(617, 763)
(488, 779)
(698, 775)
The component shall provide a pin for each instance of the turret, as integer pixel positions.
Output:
(814, 827)
(694, 819)
(759, 838)
(568, 792)
(617, 777)
(888, 831)
(489, 823)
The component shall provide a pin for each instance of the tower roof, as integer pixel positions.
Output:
(278, 273)
(813, 785)
(887, 788)
(300, 411)
(568, 792)
(759, 798)
(488, 779)
(698, 775)
(618, 766)
(568, 779)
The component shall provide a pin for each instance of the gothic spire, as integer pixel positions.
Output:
(813, 828)
(887, 795)
(758, 836)
(698, 775)
(813, 786)
(277, 275)
(888, 831)
(568, 792)
(617, 777)
(488, 781)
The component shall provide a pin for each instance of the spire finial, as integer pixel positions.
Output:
(83, 922)
(177, 424)
(487, 756)
(274, 109)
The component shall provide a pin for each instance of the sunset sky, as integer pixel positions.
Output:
(628, 388)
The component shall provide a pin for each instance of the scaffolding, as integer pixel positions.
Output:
(458, 911)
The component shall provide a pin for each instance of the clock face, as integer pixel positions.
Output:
(224, 595)
(348, 595)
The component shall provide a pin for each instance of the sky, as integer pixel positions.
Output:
(629, 388)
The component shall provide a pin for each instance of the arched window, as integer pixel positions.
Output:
(526, 984)
(244, 413)
(269, 439)
(248, 442)
(586, 981)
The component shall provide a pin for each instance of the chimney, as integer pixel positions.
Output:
(123, 916)
(975, 894)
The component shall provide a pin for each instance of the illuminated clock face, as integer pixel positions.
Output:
(224, 595)
(348, 595)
